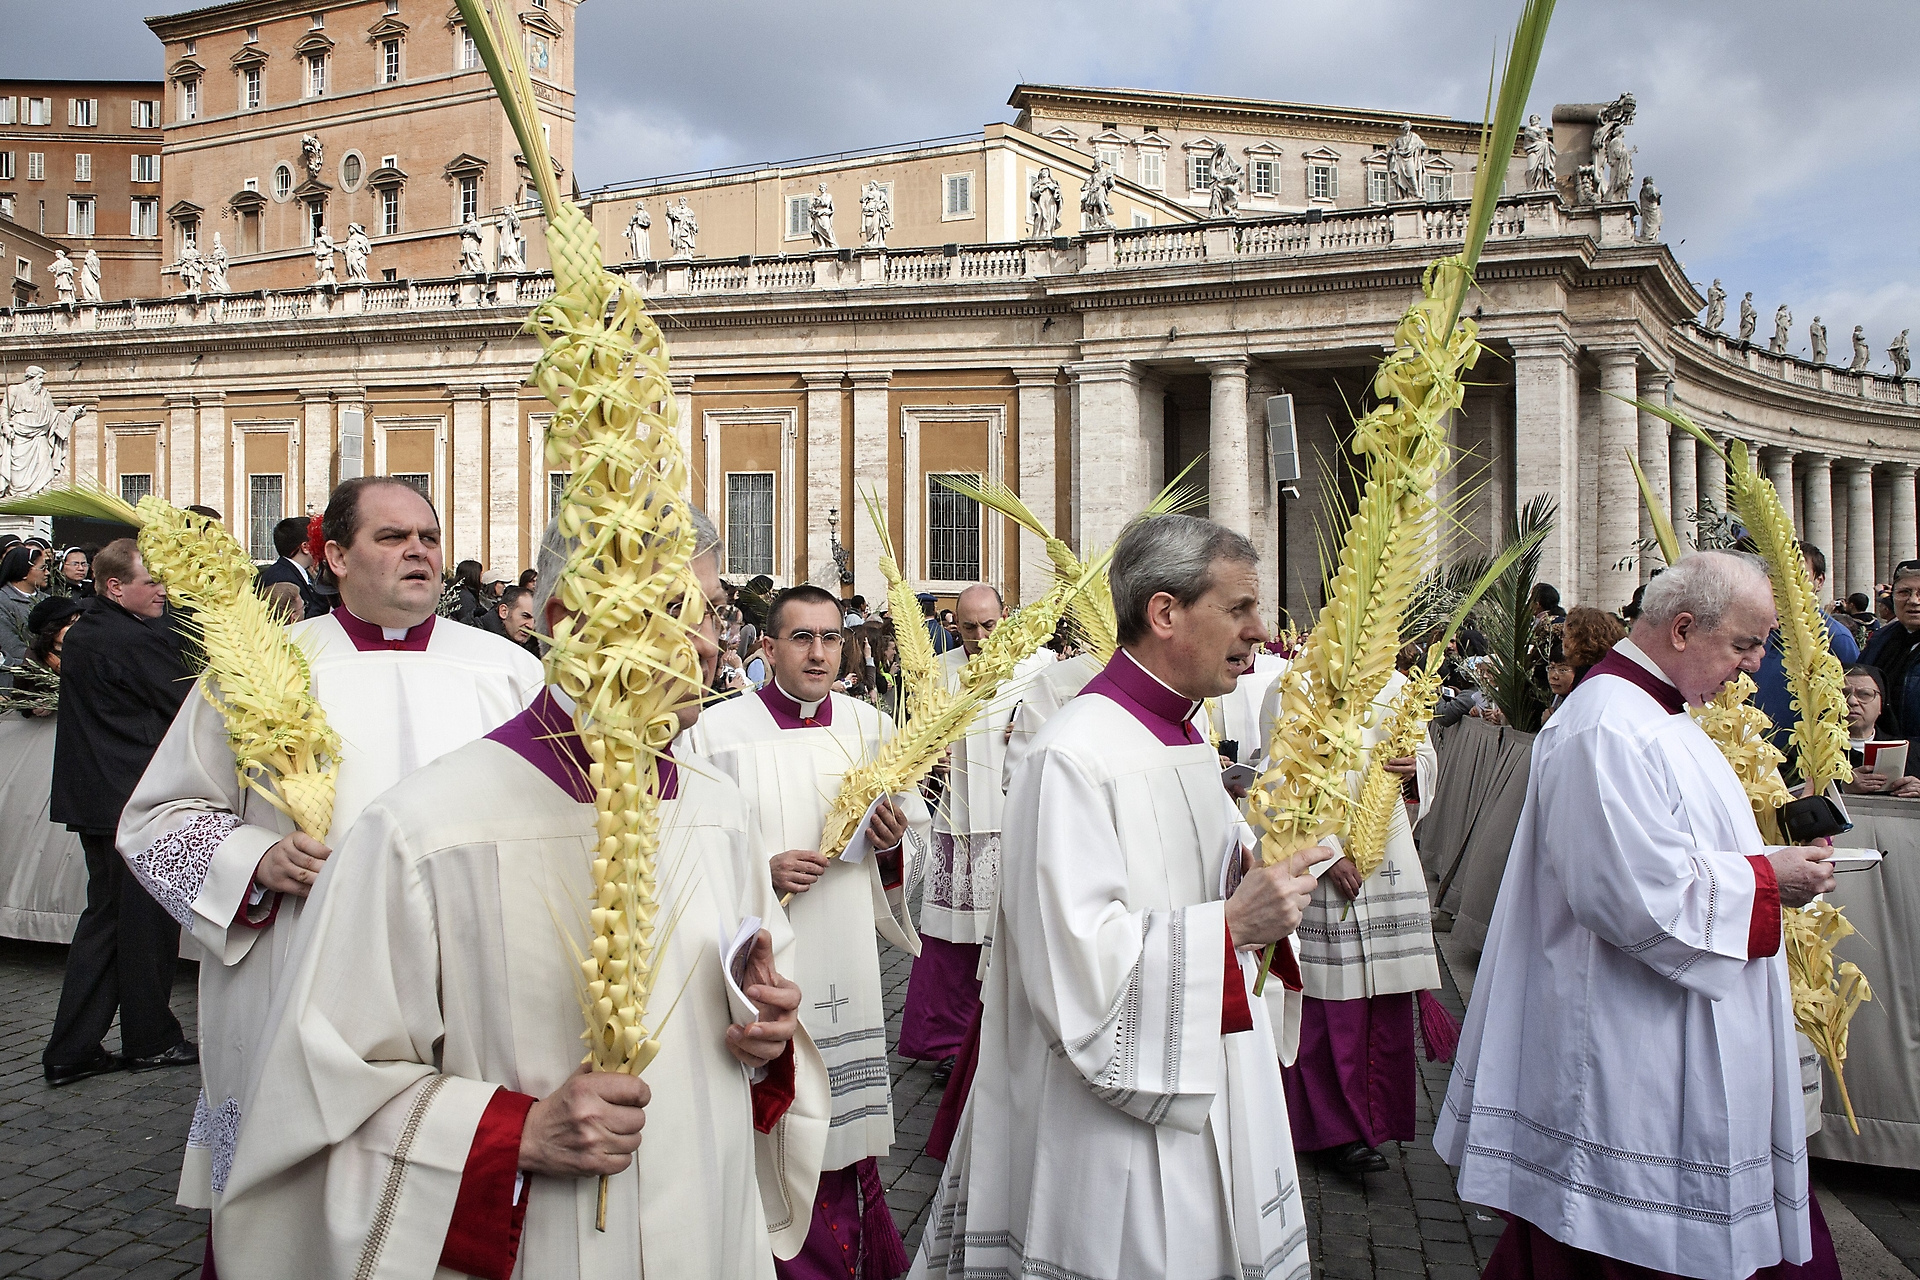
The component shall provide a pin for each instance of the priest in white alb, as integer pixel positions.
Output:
(787, 746)
(962, 875)
(400, 688)
(1627, 1089)
(421, 1109)
(1366, 965)
(1127, 1118)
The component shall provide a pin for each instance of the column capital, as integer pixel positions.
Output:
(307, 397)
(1814, 459)
(1224, 366)
(822, 379)
(1898, 470)
(870, 379)
(1537, 345)
(1615, 354)
(178, 400)
(1853, 466)
(212, 398)
(464, 391)
(1036, 374)
(1105, 371)
(682, 383)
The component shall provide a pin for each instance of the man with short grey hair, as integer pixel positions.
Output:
(1628, 1084)
(1129, 1118)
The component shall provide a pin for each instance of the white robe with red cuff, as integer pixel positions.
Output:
(1127, 1117)
(435, 997)
(193, 835)
(1627, 1080)
(790, 777)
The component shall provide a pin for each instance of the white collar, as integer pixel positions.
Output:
(807, 709)
(386, 633)
(304, 575)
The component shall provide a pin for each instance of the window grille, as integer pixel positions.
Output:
(266, 504)
(953, 532)
(750, 522)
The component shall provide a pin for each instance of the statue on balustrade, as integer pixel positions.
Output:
(36, 435)
(1043, 205)
(359, 249)
(90, 277)
(1817, 333)
(511, 248)
(1749, 318)
(683, 228)
(1901, 357)
(820, 219)
(1610, 152)
(1586, 185)
(191, 267)
(63, 270)
(323, 250)
(639, 235)
(1716, 307)
(216, 264)
(1225, 187)
(1406, 165)
(1862, 353)
(1537, 140)
(473, 257)
(1782, 331)
(876, 215)
(1650, 215)
(1096, 198)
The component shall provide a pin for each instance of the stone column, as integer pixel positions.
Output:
(1882, 508)
(181, 437)
(1546, 430)
(504, 522)
(83, 450)
(823, 478)
(1263, 491)
(1227, 489)
(212, 490)
(1037, 407)
(1860, 527)
(1110, 467)
(683, 428)
(1619, 497)
(1713, 478)
(1900, 515)
(1777, 465)
(316, 450)
(464, 502)
(1655, 461)
(1683, 481)
(871, 422)
(1816, 491)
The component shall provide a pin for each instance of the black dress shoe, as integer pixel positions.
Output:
(1357, 1158)
(943, 1070)
(98, 1065)
(183, 1054)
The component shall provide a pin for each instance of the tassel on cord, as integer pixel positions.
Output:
(886, 1256)
(1437, 1028)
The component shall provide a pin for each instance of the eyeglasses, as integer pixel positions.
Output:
(806, 639)
(1861, 695)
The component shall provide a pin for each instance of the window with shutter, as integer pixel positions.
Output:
(8, 110)
(6, 167)
(36, 166)
(1263, 178)
(82, 167)
(959, 196)
(1150, 170)
(799, 214)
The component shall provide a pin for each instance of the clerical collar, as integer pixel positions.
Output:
(367, 637)
(1630, 663)
(1166, 713)
(791, 713)
(544, 736)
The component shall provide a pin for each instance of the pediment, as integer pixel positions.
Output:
(1264, 149)
(186, 69)
(250, 55)
(390, 25)
(1062, 135)
(314, 42)
(1435, 161)
(310, 188)
(542, 21)
(184, 209)
(520, 162)
(1202, 143)
(1109, 138)
(1321, 153)
(387, 175)
(1152, 141)
(247, 201)
(464, 164)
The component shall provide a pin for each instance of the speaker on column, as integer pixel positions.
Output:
(1283, 446)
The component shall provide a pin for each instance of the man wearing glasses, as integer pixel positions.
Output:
(1895, 649)
(787, 747)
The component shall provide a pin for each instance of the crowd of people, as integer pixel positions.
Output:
(387, 1000)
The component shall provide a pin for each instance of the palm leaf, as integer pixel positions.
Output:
(80, 500)
(1662, 527)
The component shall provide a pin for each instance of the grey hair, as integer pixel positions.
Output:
(1705, 584)
(556, 550)
(1174, 554)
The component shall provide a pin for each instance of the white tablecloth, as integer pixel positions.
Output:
(43, 874)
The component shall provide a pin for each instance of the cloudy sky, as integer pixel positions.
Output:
(1785, 136)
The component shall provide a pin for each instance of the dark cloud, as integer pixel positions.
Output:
(1782, 134)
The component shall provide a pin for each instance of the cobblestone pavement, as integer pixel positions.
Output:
(87, 1173)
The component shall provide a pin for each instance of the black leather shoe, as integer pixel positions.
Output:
(183, 1054)
(98, 1065)
(1357, 1158)
(943, 1070)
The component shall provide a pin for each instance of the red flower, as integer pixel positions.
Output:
(316, 542)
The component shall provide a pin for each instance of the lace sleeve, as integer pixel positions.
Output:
(174, 868)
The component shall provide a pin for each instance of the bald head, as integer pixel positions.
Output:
(976, 613)
(1706, 620)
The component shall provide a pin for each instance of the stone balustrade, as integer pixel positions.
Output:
(1803, 375)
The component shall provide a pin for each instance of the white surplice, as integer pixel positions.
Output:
(790, 778)
(436, 965)
(193, 834)
(1380, 941)
(962, 875)
(1112, 1129)
(1627, 1079)
(1044, 695)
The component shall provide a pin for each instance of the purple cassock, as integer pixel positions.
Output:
(943, 998)
(1353, 1078)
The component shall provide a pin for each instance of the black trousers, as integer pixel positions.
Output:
(122, 958)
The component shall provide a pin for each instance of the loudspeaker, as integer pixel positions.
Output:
(1283, 447)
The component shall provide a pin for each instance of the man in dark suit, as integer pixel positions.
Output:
(295, 565)
(122, 678)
